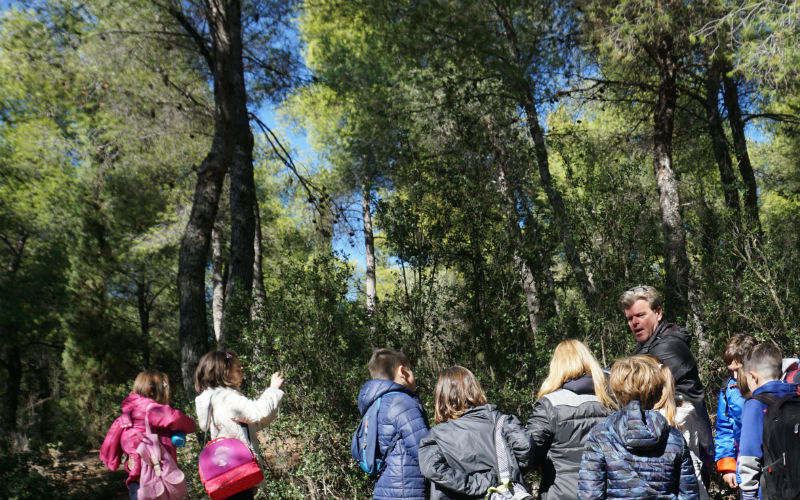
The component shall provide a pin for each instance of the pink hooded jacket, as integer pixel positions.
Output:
(126, 432)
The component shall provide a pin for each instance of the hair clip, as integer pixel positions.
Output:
(228, 355)
(163, 383)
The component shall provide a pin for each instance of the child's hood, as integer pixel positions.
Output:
(777, 387)
(375, 388)
(135, 405)
(640, 430)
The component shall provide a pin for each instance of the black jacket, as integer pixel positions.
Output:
(458, 456)
(558, 426)
(670, 344)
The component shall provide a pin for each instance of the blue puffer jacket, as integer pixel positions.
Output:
(751, 453)
(401, 412)
(728, 426)
(636, 454)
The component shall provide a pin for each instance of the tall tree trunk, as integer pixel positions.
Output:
(369, 254)
(719, 145)
(259, 295)
(13, 365)
(219, 276)
(527, 280)
(557, 203)
(526, 100)
(193, 332)
(224, 58)
(240, 282)
(731, 98)
(676, 288)
(11, 335)
(144, 320)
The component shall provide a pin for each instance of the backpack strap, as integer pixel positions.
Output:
(395, 437)
(766, 398)
(501, 451)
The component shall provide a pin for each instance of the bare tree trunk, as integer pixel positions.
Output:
(10, 333)
(369, 253)
(240, 282)
(719, 145)
(731, 98)
(557, 203)
(224, 58)
(527, 280)
(676, 288)
(13, 365)
(144, 320)
(192, 265)
(526, 100)
(259, 295)
(218, 279)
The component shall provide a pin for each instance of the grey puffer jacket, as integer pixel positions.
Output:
(458, 456)
(558, 427)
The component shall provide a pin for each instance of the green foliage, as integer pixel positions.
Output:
(21, 476)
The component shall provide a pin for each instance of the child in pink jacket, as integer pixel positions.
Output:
(151, 387)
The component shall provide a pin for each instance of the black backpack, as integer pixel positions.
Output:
(780, 472)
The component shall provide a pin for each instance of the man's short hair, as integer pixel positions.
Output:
(765, 359)
(738, 348)
(384, 362)
(645, 292)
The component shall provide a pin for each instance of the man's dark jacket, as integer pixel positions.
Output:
(670, 344)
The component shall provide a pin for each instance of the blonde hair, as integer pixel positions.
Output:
(153, 384)
(637, 379)
(667, 405)
(457, 390)
(571, 360)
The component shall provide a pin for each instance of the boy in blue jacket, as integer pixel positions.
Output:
(763, 370)
(400, 413)
(729, 409)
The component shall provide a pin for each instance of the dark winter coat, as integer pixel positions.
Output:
(400, 412)
(669, 343)
(636, 454)
(458, 456)
(558, 426)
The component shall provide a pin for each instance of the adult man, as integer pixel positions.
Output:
(669, 343)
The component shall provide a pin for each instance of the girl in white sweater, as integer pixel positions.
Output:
(224, 411)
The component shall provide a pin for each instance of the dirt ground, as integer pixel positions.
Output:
(87, 477)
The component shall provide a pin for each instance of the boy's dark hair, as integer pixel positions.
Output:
(738, 347)
(765, 359)
(215, 369)
(384, 362)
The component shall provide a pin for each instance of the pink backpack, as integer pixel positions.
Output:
(228, 466)
(160, 477)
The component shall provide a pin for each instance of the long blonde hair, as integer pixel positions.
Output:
(667, 405)
(571, 360)
(457, 390)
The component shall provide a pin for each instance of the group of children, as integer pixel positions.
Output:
(222, 411)
(593, 434)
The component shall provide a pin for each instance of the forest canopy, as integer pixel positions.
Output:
(479, 181)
